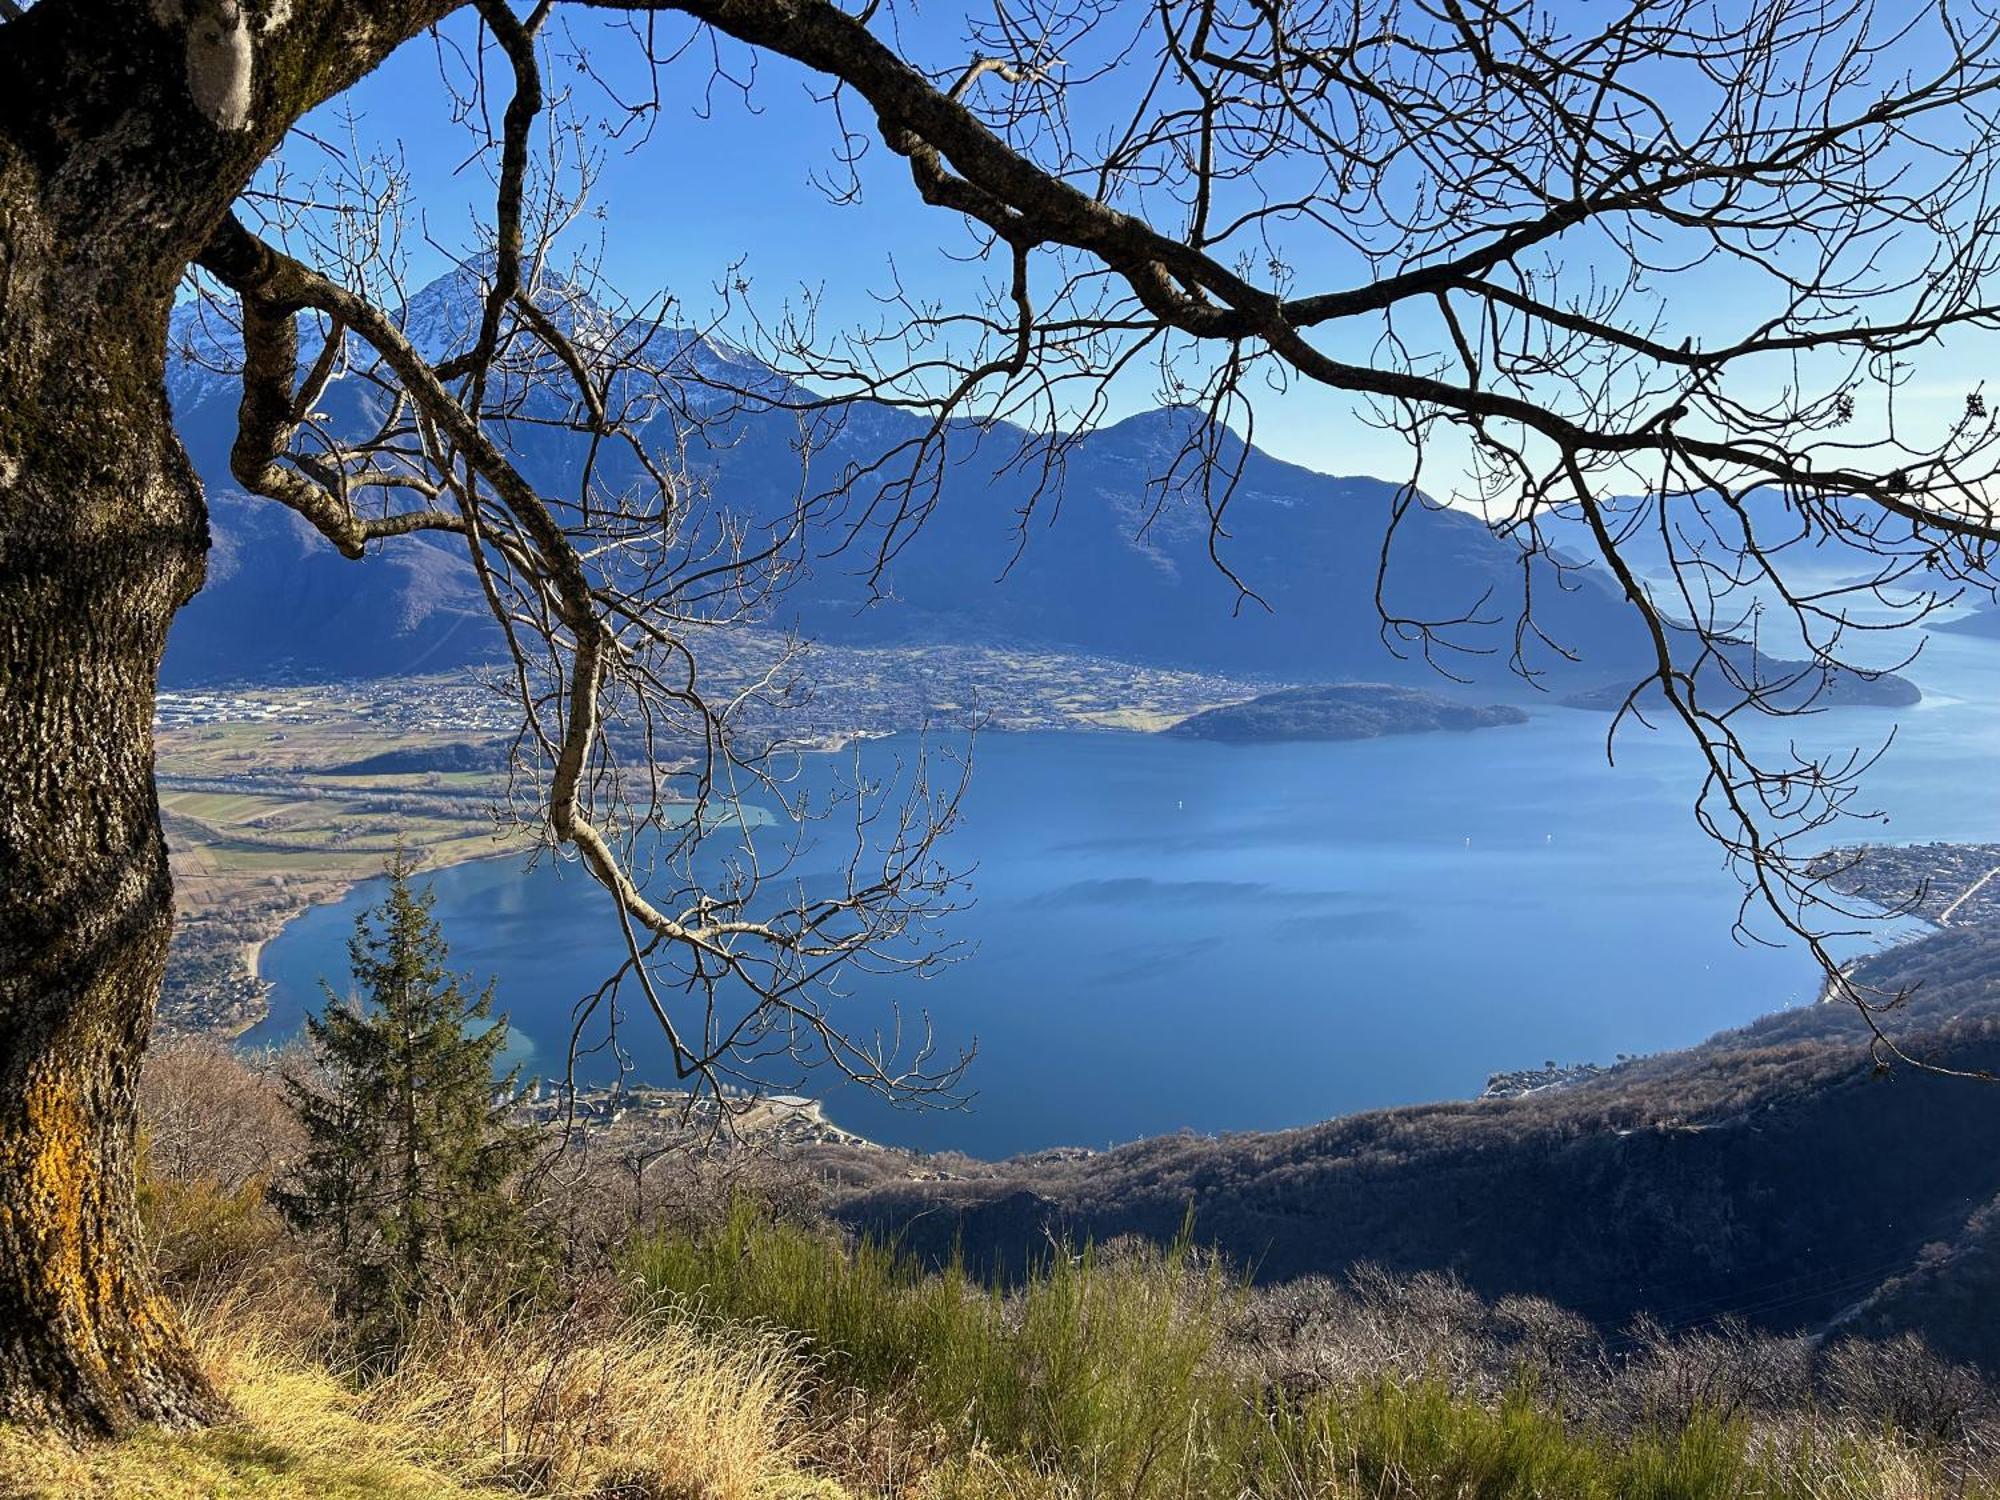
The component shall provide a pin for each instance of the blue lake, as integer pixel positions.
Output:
(1169, 934)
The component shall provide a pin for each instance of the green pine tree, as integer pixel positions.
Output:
(411, 1147)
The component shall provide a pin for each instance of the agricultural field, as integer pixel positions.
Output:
(263, 819)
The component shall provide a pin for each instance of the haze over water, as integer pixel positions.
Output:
(1171, 934)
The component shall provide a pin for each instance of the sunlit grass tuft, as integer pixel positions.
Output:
(645, 1405)
(574, 1407)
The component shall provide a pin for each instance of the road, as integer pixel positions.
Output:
(1944, 917)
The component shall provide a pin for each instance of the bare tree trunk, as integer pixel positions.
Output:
(102, 534)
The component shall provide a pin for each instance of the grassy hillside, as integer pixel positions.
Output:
(720, 1340)
(1138, 1372)
(754, 1359)
(604, 1408)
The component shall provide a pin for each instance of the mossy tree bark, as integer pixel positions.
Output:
(125, 132)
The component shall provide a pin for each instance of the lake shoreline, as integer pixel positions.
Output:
(1501, 1086)
(329, 892)
(1346, 873)
(1407, 918)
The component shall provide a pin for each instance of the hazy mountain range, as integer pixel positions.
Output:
(1106, 562)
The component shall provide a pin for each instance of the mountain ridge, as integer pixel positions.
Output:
(1117, 564)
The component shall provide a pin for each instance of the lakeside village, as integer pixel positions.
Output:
(1948, 885)
(861, 692)
(637, 1120)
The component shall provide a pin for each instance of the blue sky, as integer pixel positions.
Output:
(729, 175)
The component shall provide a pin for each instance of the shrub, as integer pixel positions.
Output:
(200, 1231)
(1152, 1374)
(1101, 1368)
(211, 1114)
(1901, 1384)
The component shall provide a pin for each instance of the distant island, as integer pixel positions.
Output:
(1981, 622)
(1789, 685)
(412, 760)
(1340, 711)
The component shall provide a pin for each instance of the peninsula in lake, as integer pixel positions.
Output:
(1340, 711)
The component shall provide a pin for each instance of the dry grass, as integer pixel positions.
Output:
(299, 1437)
(590, 1406)
(608, 1408)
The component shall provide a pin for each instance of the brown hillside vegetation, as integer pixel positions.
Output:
(726, 1342)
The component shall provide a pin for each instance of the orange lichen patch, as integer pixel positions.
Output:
(94, 1351)
(60, 1193)
(57, 1178)
(62, 1218)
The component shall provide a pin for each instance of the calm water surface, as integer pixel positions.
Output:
(1173, 934)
